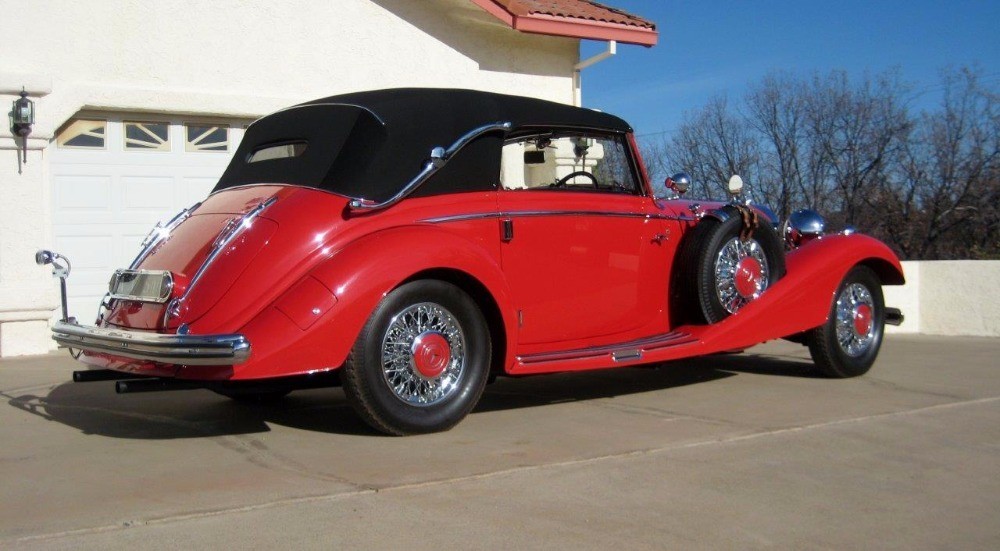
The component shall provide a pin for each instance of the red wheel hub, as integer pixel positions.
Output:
(748, 277)
(431, 354)
(862, 319)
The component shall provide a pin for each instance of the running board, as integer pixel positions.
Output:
(598, 357)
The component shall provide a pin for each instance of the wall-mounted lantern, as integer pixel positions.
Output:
(22, 116)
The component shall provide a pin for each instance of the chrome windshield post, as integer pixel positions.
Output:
(438, 158)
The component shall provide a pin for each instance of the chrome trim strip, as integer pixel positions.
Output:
(226, 349)
(461, 217)
(258, 184)
(160, 233)
(439, 158)
(611, 214)
(509, 214)
(225, 237)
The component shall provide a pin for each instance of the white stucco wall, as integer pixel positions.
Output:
(241, 58)
(960, 297)
(906, 298)
(949, 297)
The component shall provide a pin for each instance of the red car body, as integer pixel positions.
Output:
(565, 279)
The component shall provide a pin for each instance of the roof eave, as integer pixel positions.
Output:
(571, 27)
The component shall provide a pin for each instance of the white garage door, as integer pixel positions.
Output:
(114, 176)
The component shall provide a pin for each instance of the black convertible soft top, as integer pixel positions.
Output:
(370, 144)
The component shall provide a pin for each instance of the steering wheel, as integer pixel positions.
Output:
(562, 181)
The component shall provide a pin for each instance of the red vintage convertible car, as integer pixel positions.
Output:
(411, 244)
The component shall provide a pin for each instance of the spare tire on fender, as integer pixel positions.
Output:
(723, 267)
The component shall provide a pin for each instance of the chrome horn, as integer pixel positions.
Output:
(802, 226)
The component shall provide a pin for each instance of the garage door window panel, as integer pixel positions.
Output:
(147, 136)
(200, 137)
(83, 134)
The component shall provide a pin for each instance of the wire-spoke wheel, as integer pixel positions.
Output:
(423, 354)
(421, 361)
(848, 343)
(855, 326)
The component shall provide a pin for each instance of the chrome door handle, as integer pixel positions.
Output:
(506, 230)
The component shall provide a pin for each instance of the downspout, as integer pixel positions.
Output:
(577, 79)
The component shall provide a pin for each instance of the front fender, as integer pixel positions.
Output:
(801, 300)
(359, 276)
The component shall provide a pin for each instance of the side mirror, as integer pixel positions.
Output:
(735, 186)
(679, 182)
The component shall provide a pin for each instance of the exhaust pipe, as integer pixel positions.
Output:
(129, 383)
(893, 316)
(153, 384)
(90, 375)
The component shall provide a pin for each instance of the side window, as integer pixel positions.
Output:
(567, 161)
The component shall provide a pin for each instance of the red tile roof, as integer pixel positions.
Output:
(575, 9)
(574, 18)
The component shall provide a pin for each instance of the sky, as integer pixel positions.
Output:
(711, 48)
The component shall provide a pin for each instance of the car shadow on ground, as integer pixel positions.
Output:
(94, 408)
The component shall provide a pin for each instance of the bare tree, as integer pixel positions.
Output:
(776, 109)
(712, 145)
(929, 185)
(856, 130)
(950, 174)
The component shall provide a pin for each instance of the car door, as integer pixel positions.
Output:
(576, 250)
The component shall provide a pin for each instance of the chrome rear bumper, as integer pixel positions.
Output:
(172, 349)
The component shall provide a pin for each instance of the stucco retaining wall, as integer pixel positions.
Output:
(949, 297)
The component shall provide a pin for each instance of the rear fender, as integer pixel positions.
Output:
(359, 276)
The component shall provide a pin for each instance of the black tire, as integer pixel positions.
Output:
(394, 409)
(699, 297)
(832, 357)
(253, 396)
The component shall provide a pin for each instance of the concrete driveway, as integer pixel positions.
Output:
(743, 451)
